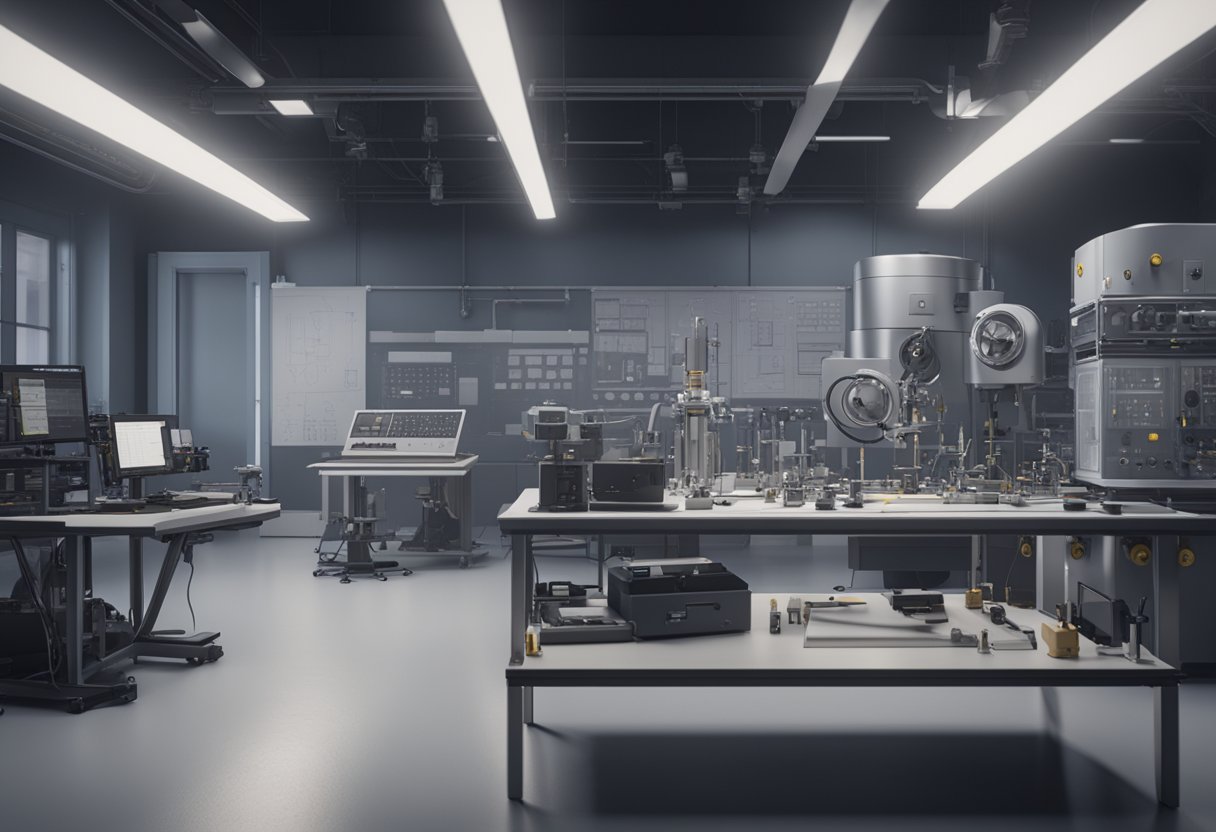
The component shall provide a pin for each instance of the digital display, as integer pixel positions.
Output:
(47, 404)
(139, 446)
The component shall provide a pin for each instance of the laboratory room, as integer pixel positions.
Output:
(614, 415)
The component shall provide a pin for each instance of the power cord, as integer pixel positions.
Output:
(189, 582)
(827, 405)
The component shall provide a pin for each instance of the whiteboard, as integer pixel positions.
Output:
(318, 363)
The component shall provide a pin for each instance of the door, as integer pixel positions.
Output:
(214, 368)
(207, 318)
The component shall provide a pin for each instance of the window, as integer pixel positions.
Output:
(33, 308)
(35, 286)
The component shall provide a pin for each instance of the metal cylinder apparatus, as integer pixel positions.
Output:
(895, 296)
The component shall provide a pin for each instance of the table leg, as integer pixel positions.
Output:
(135, 557)
(1167, 604)
(515, 742)
(1051, 711)
(521, 570)
(599, 556)
(74, 615)
(173, 555)
(1165, 743)
(528, 713)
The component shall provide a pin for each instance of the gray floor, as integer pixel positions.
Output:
(382, 706)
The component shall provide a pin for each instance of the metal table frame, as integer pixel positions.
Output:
(354, 472)
(77, 531)
(744, 518)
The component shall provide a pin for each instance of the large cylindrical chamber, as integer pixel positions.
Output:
(896, 295)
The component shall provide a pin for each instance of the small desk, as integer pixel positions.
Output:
(759, 659)
(354, 472)
(749, 660)
(173, 526)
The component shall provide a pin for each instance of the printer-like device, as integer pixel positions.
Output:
(679, 597)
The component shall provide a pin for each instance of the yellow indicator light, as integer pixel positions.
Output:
(1152, 437)
(1155, 260)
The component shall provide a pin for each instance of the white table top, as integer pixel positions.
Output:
(388, 467)
(146, 524)
(757, 654)
(893, 516)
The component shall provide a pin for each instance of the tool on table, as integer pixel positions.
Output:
(794, 609)
(973, 599)
(833, 601)
(532, 640)
(984, 646)
(1135, 634)
(774, 617)
(929, 607)
(1061, 637)
(1000, 618)
(961, 639)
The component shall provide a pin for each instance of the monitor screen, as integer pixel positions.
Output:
(141, 445)
(45, 404)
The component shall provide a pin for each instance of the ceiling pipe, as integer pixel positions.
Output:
(79, 156)
(234, 100)
(169, 38)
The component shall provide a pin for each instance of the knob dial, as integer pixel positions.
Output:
(1191, 398)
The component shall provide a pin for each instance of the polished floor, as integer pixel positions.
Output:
(381, 706)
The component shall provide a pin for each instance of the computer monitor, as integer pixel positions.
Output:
(45, 404)
(140, 445)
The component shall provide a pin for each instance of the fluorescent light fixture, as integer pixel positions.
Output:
(1153, 32)
(858, 21)
(1127, 141)
(482, 30)
(291, 106)
(852, 138)
(27, 70)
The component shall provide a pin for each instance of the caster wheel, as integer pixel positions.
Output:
(195, 662)
(316, 573)
(345, 580)
(381, 577)
(464, 563)
(76, 706)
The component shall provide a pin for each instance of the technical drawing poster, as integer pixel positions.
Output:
(781, 340)
(318, 363)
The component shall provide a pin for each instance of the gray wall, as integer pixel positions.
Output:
(1024, 228)
(99, 221)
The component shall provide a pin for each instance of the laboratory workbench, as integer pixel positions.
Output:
(757, 658)
(714, 661)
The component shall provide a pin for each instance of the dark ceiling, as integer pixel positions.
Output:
(614, 85)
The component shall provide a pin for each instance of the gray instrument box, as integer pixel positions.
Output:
(1121, 262)
(1144, 357)
(686, 597)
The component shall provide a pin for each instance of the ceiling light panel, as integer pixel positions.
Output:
(27, 70)
(291, 107)
(1153, 32)
(481, 28)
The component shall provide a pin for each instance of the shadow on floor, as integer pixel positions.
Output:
(851, 774)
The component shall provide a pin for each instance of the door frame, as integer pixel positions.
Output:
(165, 268)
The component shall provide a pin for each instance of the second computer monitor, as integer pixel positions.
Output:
(141, 445)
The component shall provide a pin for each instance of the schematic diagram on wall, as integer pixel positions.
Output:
(769, 343)
(318, 360)
(782, 340)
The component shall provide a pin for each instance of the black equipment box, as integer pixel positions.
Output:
(628, 481)
(563, 486)
(680, 597)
